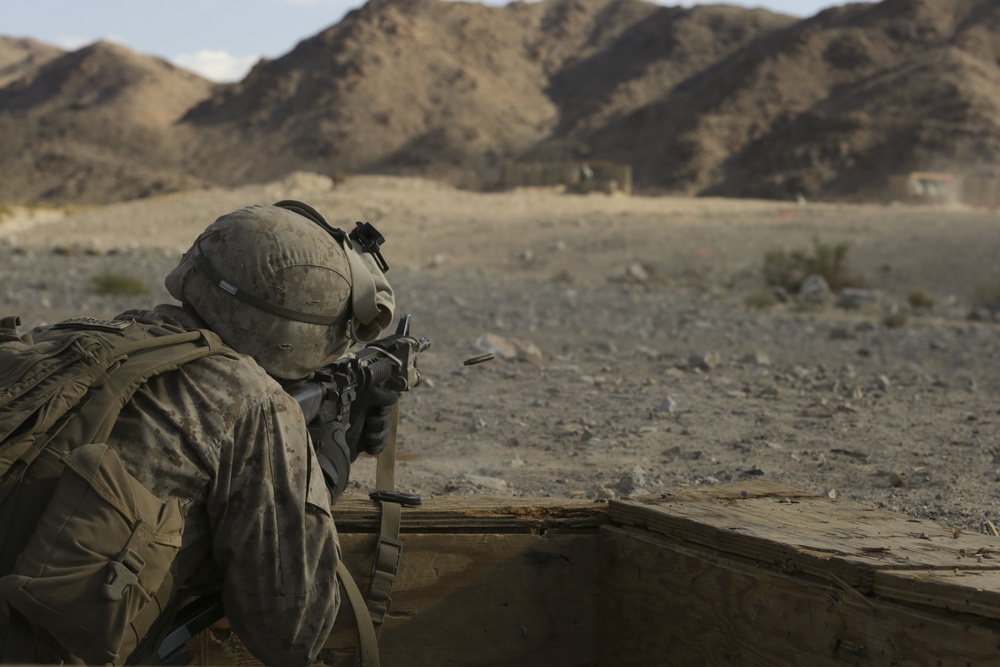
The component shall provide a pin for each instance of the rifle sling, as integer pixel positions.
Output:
(390, 548)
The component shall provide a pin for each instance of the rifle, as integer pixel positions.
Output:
(325, 399)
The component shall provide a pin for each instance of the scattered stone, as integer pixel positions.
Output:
(631, 482)
(637, 273)
(704, 361)
(988, 313)
(668, 405)
(607, 347)
(882, 382)
(509, 349)
(490, 483)
(896, 481)
(857, 299)
(601, 492)
(770, 391)
(757, 358)
(814, 289)
(476, 425)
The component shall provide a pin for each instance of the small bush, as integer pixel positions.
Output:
(895, 320)
(117, 284)
(788, 270)
(921, 299)
(760, 299)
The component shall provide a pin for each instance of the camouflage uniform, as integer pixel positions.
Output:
(224, 438)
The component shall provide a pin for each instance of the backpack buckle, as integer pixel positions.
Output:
(124, 573)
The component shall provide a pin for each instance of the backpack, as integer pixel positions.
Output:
(86, 551)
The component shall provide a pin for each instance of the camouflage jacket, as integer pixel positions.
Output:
(224, 438)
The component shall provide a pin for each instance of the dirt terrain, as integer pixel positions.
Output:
(629, 361)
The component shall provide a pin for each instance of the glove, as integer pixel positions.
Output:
(371, 419)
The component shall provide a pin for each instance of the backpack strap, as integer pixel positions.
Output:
(135, 362)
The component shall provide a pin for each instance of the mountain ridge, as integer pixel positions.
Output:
(714, 99)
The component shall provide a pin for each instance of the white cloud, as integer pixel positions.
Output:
(219, 66)
(71, 42)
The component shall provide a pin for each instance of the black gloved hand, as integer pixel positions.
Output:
(371, 419)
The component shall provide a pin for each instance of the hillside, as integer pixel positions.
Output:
(96, 124)
(714, 99)
(22, 56)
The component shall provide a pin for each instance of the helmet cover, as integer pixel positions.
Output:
(275, 286)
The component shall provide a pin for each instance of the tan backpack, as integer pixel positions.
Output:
(85, 550)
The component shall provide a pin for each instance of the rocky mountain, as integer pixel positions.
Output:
(22, 56)
(96, 124)
(713, 99)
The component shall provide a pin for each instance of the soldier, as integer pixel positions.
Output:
(287, 295)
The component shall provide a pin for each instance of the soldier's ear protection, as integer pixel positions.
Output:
(364, 235)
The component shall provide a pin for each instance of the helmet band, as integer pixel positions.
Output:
(206, 267)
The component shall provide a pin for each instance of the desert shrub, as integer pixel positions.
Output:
(760, 299)
(118, 284)
(563, 276)
(895, 320)
(788, 270)
(921, 299)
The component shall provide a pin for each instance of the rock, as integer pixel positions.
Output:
(601, 492)
(491, 483)
(770, 391)
(509, 349)
(814, 289)
(668, 405)
(757, 358)
(636, 273)
(856, 299)
(704, 361)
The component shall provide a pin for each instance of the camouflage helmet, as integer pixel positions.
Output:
(279, 284)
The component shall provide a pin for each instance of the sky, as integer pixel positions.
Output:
(222, 39)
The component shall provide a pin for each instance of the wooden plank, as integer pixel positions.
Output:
(800, 532)
(508, 582)
(662, 603)
(958, 590)
(482, 600)
(476, 514)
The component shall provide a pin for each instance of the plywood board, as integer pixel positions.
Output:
(795, 532)
(484, 600)
(665, 604)
(960, 590)
(492, 582)
(476, 514)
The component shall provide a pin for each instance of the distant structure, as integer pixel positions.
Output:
(580, 176)
(929, 187)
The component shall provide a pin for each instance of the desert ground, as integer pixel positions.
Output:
(638, 351)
